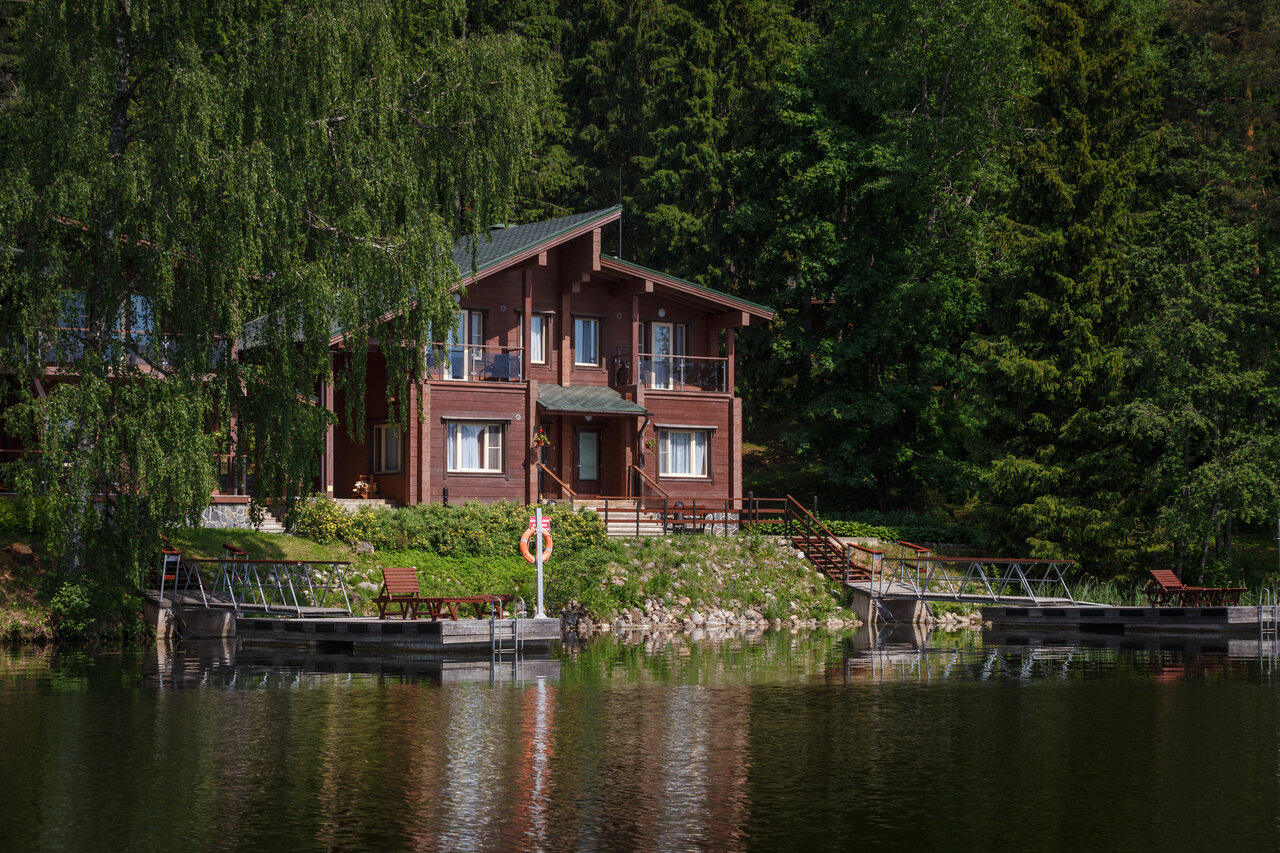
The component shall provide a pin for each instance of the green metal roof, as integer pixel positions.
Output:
(587, 400)
(642, 270)
(503, 243)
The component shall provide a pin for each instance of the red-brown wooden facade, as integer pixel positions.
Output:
(560, 275)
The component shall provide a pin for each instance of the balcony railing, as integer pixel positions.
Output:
(683, 373)
(472, 363)
(65, 346)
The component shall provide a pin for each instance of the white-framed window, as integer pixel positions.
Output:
(586, 341)
(475, 447)
(386, 448)
(683, 452)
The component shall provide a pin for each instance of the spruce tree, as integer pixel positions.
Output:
(1048, 362)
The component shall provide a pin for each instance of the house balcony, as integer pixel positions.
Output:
(684, 373)
(473, 363)
(64, 347)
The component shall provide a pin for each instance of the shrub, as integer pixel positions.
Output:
(25, 515)
(71, 610)
(321, 519)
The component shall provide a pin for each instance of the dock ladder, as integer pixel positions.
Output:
(505, 635)
(1268, 619)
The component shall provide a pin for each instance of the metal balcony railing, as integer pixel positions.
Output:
(472, 363)
(683, 373)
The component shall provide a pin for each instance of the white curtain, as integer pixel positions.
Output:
(698, 454)
(469, 458)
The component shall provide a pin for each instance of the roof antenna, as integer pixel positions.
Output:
(619, 213)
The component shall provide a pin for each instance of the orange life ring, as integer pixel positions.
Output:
(524, 546)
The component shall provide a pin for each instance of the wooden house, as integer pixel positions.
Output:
(569, 374)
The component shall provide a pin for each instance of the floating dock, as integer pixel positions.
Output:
(1122, 621)
(358, 634)
(189, 617)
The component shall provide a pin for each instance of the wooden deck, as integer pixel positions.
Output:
(1224, 621)
(370, 634)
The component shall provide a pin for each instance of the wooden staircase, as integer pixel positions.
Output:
(822, 548)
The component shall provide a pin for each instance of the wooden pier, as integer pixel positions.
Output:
(1095, 619)
(322, 629)
(369, 634)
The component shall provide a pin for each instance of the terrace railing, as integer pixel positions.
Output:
(473, 363)
(684, 373)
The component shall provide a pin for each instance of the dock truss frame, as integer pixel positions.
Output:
(303, 587)
(974, 579)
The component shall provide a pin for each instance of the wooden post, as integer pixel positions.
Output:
(526, 319)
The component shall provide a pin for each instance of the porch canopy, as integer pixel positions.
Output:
(585, 400)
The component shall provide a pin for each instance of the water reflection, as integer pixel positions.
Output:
(816, 741)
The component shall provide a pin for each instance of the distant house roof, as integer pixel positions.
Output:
(586, 399)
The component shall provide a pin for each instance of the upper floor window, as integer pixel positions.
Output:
(539, 334)
(539, 337)
(465, 350)
(386, 448)
(586, 341)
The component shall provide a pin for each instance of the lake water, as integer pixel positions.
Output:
(790, 742)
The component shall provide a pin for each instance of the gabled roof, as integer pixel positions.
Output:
(679, 284)
(515, 242)
(508, 246)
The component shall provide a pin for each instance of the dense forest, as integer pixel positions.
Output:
(1023, 254)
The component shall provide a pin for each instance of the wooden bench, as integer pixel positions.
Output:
(1165, 589)
(231, 552)
(482, 605)
(400, 593)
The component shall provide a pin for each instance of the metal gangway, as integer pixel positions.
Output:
(278, 587)
(918, 574)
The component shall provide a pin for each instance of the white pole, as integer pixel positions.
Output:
(537, 540)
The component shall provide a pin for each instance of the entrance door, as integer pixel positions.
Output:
(586, 461)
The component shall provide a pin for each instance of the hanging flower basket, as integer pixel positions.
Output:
(540, 438)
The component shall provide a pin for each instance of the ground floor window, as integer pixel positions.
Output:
(682, 452)
(475, 447)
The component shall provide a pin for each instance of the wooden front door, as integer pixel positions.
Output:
(587, 454)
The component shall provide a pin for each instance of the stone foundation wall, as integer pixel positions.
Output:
(226, 515)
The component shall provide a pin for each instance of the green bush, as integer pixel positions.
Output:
(469, 529)
(25, 515)
(893, 527)
(71, 610)
(321, 519)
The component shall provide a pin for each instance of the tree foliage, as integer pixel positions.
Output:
(172, 171)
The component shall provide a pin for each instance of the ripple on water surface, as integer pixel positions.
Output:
(807, 742)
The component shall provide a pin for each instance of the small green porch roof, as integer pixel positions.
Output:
(586, 400)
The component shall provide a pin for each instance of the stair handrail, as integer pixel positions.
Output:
(800, 512)
(647, 479)
(563, 485)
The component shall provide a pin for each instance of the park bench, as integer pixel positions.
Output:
(1165, 588)
(482, 605)
(400, 593)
